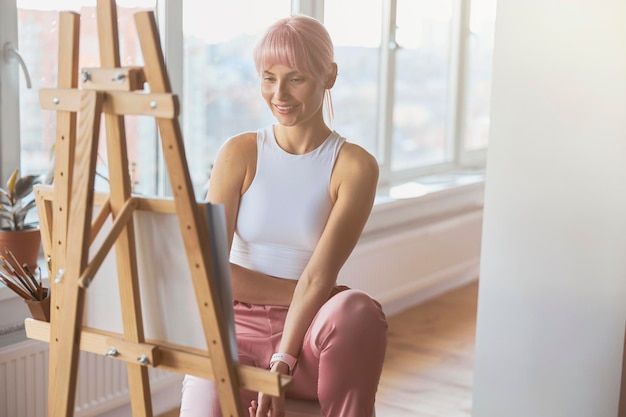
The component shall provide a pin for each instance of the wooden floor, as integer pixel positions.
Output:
(428, 370)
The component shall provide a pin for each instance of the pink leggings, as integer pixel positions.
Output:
(339, 364)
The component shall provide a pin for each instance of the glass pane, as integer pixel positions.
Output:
(421, 103)
(38, 37)
(221, 90)
(478, 89)
(357, 51)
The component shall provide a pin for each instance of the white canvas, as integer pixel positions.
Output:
(168, 302)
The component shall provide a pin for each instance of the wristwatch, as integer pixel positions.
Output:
(285, 358)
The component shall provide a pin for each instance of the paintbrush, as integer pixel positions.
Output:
(15, 277)
(21, 278)
(37, 285)
(15, 288)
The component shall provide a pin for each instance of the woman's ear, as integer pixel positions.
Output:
(332, 76)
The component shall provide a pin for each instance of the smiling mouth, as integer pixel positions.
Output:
(284, 109)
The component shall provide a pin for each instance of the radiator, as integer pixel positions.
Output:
(102, 384)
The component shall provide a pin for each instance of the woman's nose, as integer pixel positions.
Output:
(280, 89)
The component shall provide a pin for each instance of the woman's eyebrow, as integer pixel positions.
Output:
(289, 74)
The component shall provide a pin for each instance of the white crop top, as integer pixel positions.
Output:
(283, 213)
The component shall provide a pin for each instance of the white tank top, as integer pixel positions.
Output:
(283, 213)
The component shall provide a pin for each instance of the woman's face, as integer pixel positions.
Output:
(293, 97)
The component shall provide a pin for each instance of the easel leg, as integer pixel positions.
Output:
(64, 360)
(125, 251)
(69, 28)
(191, 223)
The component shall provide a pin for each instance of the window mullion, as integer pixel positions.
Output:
(9, 93)
(170, 22)
(388, 49)
(459, 75)
(313, 8)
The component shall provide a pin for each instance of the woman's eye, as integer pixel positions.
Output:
(297, 80)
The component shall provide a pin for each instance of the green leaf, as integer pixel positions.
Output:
(12, 180)
(20, 216)
(6, 215)
(24, 185)
(6, 208)
(24, 210)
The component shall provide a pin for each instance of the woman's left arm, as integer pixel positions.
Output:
(353, 187)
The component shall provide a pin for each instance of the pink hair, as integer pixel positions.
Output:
(299, 42)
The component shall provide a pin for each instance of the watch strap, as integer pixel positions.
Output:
(285, 358)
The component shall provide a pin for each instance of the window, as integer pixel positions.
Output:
(423, 48)
(413, 85)
(357, 52)
(221, 93)
(478, 93)
(38, 37)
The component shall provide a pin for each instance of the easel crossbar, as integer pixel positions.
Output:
(119, 224)
(170, 358)
(160, 105)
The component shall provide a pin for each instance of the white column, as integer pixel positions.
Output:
(552, 297)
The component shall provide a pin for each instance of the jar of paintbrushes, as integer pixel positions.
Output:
(26, 283)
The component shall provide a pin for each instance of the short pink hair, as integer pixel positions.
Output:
(299, 42)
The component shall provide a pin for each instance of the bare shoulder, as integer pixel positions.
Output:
(239, 144)
(234, 167)
(237, 152)
(356, 172)
(354, 159)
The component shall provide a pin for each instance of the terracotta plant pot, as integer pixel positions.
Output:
(24, 244)
(40, 310)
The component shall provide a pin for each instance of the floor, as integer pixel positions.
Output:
(428, 369)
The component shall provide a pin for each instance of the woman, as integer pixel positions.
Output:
(297, 196)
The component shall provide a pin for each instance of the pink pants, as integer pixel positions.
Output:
(340, 362)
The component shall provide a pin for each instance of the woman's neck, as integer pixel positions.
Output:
(299, 140)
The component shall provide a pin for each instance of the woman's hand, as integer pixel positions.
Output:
(267, 405)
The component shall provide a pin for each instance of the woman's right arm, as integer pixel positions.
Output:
(232, 174)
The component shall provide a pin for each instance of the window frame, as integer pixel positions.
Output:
(9, 93)
(169, 18)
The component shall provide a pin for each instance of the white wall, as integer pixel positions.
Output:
(552, 294)
(405, 267)
(417, 248)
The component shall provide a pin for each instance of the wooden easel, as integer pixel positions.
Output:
(112, 90)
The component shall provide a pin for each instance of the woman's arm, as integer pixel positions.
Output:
(353, 182)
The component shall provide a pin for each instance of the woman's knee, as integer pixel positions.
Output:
(356, 310)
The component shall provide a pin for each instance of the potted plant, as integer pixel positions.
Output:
(16, 235)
